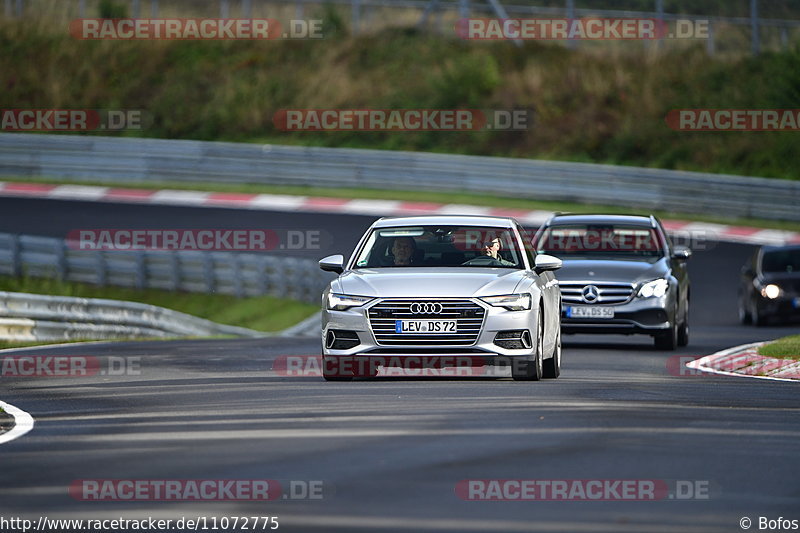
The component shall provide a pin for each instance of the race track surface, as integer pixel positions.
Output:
(391, 451)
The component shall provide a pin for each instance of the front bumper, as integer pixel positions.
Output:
(648, 316)
(483, 351)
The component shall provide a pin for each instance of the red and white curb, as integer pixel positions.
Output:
(23, 423)
(744, 361)
(284, 202)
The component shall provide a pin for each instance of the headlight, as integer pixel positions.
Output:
(343, 302)
(512, 302)
(771, 291)
(657, 288)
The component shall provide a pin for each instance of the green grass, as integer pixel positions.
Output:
(602, 104)
(440, 197)
(261, 313)
(785, 348)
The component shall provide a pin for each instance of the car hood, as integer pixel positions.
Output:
(423, 282)
(612, 271)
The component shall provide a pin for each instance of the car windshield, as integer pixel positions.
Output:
(781, 261)
(600, 241)
(440, 246)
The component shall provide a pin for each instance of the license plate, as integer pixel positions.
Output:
(425, 326)
(585, 311)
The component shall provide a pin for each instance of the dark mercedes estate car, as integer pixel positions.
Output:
(770, 285)
(620, 274)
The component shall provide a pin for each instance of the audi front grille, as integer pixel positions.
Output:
(606, 293)
(468, 315)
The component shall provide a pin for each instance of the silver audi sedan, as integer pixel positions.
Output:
(442, 291)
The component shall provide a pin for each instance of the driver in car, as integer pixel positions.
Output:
(491, 248)
(490, 256)
(403, 249)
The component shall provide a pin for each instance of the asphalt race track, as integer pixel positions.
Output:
(389, 452)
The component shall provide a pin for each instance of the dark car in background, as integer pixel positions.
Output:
(621, 275)
(770, 285)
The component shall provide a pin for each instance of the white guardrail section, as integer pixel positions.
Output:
(38, 317)
(238, 274)
(120, 160)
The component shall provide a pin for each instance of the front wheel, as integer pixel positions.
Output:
(683, 330)
(531, 370)
(667, 340)
(552, 367)
(333, 369)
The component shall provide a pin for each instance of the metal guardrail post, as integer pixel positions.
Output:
(355, 6)
(154, 9)
(82, 8)
(571, 44)
(754, 36)
(463, 9)
(136, 9)
(8, 12)
(247, 8)
(16, 257)
(61, 260)
(710, 44)
(238, 285)
(660, 18)
(141, 270)
(174, 271)
(208, 272)
(224, 9)
(102, 268)
(19, 8)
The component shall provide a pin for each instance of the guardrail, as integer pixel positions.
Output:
(123, 160)
(39, 317)
(239, 274)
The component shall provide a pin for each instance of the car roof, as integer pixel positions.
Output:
(448, 220)
(633, 220)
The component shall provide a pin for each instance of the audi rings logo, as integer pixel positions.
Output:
(590, 294)
(426, 308)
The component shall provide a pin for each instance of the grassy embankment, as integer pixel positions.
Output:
(784, 348)
(596, 104)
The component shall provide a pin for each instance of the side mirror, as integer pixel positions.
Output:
(332, 263)
(681, 253)
(546, 262)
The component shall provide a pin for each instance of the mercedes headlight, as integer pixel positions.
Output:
(343, 302)
(512, 302)
(771, 291)
(655, 288)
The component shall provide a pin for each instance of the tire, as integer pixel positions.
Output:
(332, 370)
(683, 330)
(530, 370)
(667, 340)
(744, 314)
(551, 368)
(759, 319)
